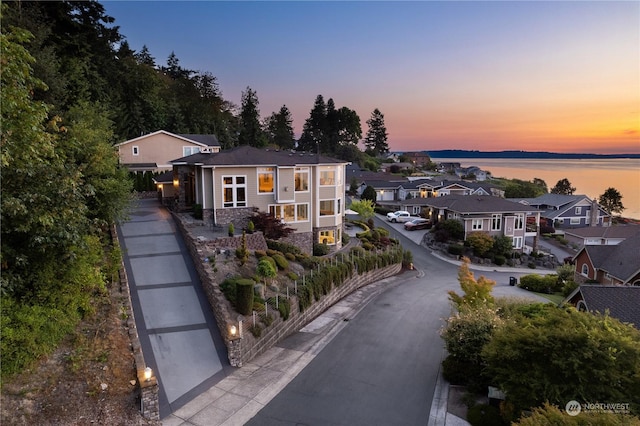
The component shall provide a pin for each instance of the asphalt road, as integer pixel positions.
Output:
(381, 369)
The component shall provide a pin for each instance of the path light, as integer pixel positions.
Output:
(147, 374)
(233, 330)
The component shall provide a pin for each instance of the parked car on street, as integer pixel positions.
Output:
(399, 216)
(417, 224)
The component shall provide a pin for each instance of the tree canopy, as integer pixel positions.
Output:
(563, 187)
(376, 139)
(611, 201)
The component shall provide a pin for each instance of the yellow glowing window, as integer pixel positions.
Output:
(327, 237)
(289, 212)
(265, 179)
(327, 177)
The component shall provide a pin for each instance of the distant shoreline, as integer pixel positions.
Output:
(458, 153)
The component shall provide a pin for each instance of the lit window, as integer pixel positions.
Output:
(190, 150)
(327, 237)
(234, 190)
(289, 212)
(496, 222)
(327, 207)
(136, 150)
(302, 179)
(476, 224)
(265, 180)
(328, 177)
(302, 211)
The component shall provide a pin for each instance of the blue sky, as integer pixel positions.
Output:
(558, 76)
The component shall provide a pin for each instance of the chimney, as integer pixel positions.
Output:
(594, 213)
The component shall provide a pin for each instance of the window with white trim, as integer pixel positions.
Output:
(416, 210)
(135, 150)
(302, 179)
(290, 212)
(585, 270)
(266, 180)
(496, 222)
(476, 224)
(190, 150)
(575, 221)
(234, 191)
(327, 237)
(516, 242)
(327, 207)
(327, 176)
(519, 222)
(578, 210)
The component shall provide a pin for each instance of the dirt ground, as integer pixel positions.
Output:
(89, 380)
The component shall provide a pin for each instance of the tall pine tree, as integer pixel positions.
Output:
(376, 138)
(251, 132)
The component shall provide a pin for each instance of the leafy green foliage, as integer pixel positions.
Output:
(265, 268)
(568, 355)
(563, 187)
(364, 208)
(449, 229)
(244, 296)
(480, 242)
(272, 227)
(541, 283)
(477, 293)
(550, 415)
(369, 193)
(516, 188)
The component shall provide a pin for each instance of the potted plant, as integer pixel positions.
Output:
(231, 230)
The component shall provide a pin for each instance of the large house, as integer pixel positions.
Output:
(610, 264)
(568, 211)
(153, 152)
(305, 190)
(493, 215)
(620, 302)
(600, 235)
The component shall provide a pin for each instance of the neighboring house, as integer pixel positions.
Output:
(154, 152)
(166, 188)
(621, 302)
(418, 159)
(306, 191)
(385, 190)
(609, 264)
(568, 211)
(418, 188)
(600, 235)
(396, 167)
(479, 174)
(493, 215)
(448, 167)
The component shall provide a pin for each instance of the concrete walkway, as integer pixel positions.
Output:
(177, 330)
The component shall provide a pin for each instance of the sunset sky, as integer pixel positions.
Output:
(536, 76)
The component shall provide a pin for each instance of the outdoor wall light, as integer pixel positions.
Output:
(147, 374)
(176, 182)
(233, 331)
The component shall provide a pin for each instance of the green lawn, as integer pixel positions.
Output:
(554, 298)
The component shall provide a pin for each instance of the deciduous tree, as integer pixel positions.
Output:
(563, 187)
(611, 201)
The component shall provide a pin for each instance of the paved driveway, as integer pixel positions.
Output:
(177, 330)
(382, 368)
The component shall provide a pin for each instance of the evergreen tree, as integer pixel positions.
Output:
(280, 129)
(251, 132)
(314, 131)
(611, 201)
(376, 139)
(144, 57)
(563, 187)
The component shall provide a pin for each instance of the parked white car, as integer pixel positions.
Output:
(399, 216)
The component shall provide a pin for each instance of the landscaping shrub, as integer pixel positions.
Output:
(228, 288)
(281, 262)
(290, 256)
(260, 254)
(368, 246)
(320, 249)
(256, 330)
(484, 415)
(384, 232)
(284, 307)
(197, 211)
(481, 242)
(499, 260)
(345, 238)
(283, 247)
(292, 276)
(540, 283)
(244, 296)
(407, 258)
(455, 249)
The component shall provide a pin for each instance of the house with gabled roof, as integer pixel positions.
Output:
(305, 190)
(600, 235)
(153, 152)
(493, 215)
(620, 302)
(568, 211)
(609, 264)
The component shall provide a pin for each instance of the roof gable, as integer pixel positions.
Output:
(200, 140)
(620, 301)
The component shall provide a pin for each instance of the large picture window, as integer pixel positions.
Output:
(302, 179)
(265, 180)
(190, 150)
(519, 224)
(327, 177)
(290, 212)
(496, 222)
(327, 237)
(476, 224)
(234, 190)
(327, 207)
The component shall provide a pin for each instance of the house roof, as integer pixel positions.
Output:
(621, 261)
(617, 231)
(621, 301)
(166, 177)
(554, 205)
(417, 183)
(383, 184)
(476, 204)
(202, 140)
(249, 156)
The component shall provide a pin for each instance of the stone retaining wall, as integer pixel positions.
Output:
(241, 350)
(149, 405)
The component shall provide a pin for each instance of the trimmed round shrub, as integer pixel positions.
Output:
(499, 260)
(244, 296)
(320, 249)
(455, 249)
(290, 256)
(281, 262)
(260, 253)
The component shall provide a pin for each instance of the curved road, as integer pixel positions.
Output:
(381, 369)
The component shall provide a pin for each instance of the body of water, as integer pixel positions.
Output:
(589, 177)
